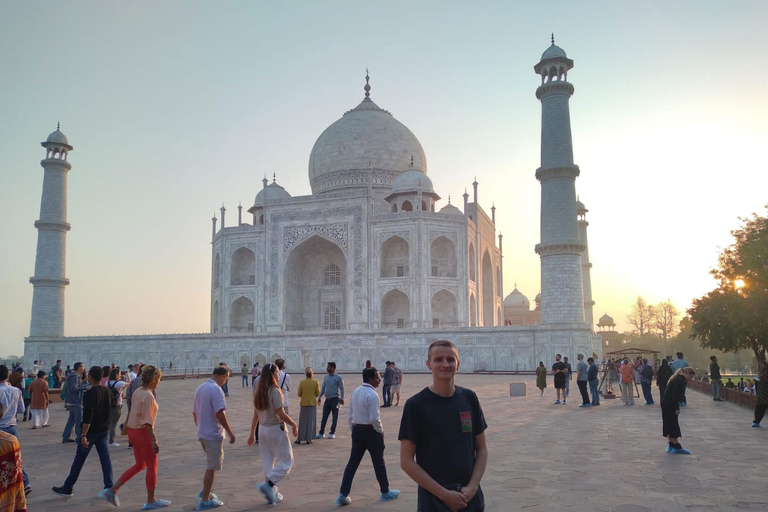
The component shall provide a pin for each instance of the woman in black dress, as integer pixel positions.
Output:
(670, 409)
(662, 376)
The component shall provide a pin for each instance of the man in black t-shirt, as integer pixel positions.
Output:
(442, 438)
(95, 432)
(560, 371)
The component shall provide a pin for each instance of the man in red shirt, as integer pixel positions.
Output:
(627, 383)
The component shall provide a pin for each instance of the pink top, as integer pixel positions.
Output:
(143, 409)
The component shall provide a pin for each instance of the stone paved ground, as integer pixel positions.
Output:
(543, 457)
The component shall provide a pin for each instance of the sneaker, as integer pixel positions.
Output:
(680, 451)
(319, 436)
(669, 448)
(67, 493)
(114, 445)
(211, 496)
(109, 497)
(278, 498)
(563, 402)
(756, 425)
(342, 500)
(585, 405)
(65, 441)
(391, 495)
(331, 436)
(268, 493)
(557, 402)
(156, 504)
(27, 489)
(211, 503)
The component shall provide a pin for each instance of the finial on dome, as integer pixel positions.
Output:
(274, 177)
(367, 87)
(515, 286)
(58, 126)
(553, 39)
(411, 160)
(449, 198)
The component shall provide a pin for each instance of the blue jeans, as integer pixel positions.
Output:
(11, 429)
(75, 419)
(331, 406)
(647, 392)
(568, 386)
(593, 390)
(386, 394)
(717, 389)
(245, 381)
(99, 440)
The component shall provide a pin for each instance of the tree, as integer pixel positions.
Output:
(665, 319)
(734, 316)
(641, 316)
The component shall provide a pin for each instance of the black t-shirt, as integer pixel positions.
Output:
(560, 377)
(444, 431)
(96, 402)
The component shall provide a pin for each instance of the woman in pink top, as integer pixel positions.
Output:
(141, 434)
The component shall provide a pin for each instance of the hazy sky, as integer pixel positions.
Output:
(176, 107)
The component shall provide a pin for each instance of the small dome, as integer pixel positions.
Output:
(517, 299)
(580, 208)
(58, 138)
(271, 192)
(412, 181)
(449, 209)
(553, 52)
(606, 320)
(537, 298)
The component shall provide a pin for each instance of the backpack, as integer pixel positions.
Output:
(115, 393)
(648, 372)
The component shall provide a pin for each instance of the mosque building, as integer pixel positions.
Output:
(365, 267)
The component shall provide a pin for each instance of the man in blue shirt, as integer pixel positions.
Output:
(386, 390)
(333, 389)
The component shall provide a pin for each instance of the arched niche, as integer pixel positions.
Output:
(216, 271)
(243, 268)
(310, 265)
(242, 315)
(395, 310)
(443, 309)
(406, 206)
(498, 283)
(487, 279)
(472, 310)
(395, 257)
(215, 317)
(472, 263)
(442, 254)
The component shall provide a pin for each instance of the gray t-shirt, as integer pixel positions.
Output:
(582, 367)
(269, 417)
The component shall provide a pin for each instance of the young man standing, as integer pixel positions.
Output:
(284, 381)
(73, 402)
(367, 435)
(96, 402)
(397, 381)
(646, 379)
(255, 372)
(386, 390)
(716, 378)
(333, 390)
(447, 467)
(627, 372)
(209, 412)
(58, 374)
(245, 374)
(593, 381)
(581, 380)
(568, 380)
(560, 371)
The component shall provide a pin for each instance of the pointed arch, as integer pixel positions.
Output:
(487, 291)
(215, 317)
(216, 271)
(442, 254)
(395, 310)
(406, 206)
(471, 262)
(443, 307)
(395, 257)
(242, 315)
(242, 271)
(472, 310)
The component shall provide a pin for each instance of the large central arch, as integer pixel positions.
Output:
(315, 284)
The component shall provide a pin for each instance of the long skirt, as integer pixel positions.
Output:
(670, 424)
(307, 423)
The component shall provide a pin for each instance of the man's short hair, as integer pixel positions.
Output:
(712, 358)
(645, 360)
(220, 370)
(280, 363)
(369, 373)
(579, 356)
(679, 355)
(3, 372)
(441, 343)
(332, 364)
(558, 355)
(58, 361)
(590, 360)
(391, 362)
(95, 373)
(40, 374)
(77, 366)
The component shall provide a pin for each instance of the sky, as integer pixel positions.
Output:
(174, 108)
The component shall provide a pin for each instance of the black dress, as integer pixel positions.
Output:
(670, 405)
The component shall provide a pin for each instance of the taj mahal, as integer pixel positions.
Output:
(365, 267)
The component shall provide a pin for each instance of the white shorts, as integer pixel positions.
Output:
(395, 388)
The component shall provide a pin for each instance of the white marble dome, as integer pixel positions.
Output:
(606, 320)
(58, 137)
(553, 52)
(366, 146)
(271, 192)
(449, 209)
(412, 180)
(517, 300)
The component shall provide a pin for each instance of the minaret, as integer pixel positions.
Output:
(52, 227)
(586, 282)
(560, 249)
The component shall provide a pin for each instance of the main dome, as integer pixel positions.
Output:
(367, 146)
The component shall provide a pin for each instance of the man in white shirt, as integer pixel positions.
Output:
(133, 369)
(367, 435)
(284, 381)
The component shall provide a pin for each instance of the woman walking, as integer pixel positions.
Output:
(141, 434)
(27, 397)
(670, 409)
(761, 404)
(541, 377)
(38, 402)
(309, 390)
(276, 451)
(662, 376)
(115, 385)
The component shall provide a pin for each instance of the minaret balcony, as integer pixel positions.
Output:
(56, 282)
(556, 87)
(567, 171)
(53, 226)
(575, 248)
(55, 163)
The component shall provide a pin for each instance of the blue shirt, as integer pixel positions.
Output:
(677, 364)
(333, 387)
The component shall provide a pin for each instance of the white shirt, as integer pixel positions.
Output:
(284, 381)
(364, 408)
(132, 375)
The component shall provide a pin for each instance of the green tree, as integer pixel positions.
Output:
(734, 316)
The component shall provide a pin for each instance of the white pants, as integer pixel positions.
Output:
(39, 417)
(276, 452)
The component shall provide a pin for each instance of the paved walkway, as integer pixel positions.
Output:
(543, 457)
